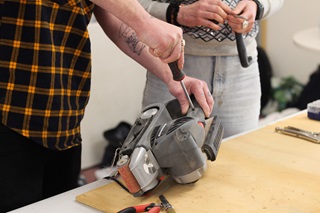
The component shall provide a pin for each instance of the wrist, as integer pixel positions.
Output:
(260, 9)
(172, 13)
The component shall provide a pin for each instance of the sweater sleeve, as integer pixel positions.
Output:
(271, 6)
(155, 8)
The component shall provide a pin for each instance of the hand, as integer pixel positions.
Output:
(164, 41)
(196, 87)
(202, 13)
(247, 10)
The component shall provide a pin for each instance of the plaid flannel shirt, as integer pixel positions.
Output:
(45, 69)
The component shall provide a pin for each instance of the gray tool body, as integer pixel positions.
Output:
(164, 142)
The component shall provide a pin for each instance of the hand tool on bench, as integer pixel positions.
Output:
(150, 207)
(300, 133)
(166, 205)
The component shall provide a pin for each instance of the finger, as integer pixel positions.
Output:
(184, 106)
(239, 8)
(211, 24)
(240, 24)
(171, 51)
(153, 52)
(205, 101)
(181, 59)
(210, 102)
(218, 16)
(176, 54)
(225, 7)
(203, 97)
(184, 103)
(163, 54)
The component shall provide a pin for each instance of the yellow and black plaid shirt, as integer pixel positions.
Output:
(45, 69)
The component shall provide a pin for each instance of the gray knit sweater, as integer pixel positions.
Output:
(202, 41)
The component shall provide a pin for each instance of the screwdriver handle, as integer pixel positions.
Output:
(178, 74)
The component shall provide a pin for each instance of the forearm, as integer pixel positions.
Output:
(162, 38)
(129, 11)
(126, 39)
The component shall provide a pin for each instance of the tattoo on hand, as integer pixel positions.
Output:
(130, 37)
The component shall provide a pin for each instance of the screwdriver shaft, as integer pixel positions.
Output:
(178, 75)
(187, 94)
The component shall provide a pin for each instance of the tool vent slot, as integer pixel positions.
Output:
(154, 135)
(218, 138)
(177, 123)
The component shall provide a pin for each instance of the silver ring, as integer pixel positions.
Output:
(183, 43)
(245, 24)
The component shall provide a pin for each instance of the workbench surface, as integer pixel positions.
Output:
(259, 171)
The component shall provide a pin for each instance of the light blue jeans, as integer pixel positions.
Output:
(236, 90)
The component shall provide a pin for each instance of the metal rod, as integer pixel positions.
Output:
(187, 94)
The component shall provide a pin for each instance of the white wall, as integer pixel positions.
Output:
(116, 94)
(287, 58)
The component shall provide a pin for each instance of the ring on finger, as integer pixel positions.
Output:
(183, 43)
(245, 24)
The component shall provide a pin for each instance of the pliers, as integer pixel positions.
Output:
(151, 208)
(300, 133)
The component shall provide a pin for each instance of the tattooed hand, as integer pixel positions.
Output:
(164, 41)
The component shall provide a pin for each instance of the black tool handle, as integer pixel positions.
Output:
(242, 51)
(178, 74)
(244, 59)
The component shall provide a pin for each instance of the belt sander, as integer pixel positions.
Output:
(163, 142)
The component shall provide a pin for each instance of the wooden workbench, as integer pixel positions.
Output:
(260, 171)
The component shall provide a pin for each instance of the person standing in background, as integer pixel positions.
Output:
(211, 54)
(45, 70)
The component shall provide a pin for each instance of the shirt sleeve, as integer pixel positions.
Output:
(271, 6)
(155, 8)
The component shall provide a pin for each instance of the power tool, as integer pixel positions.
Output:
(163, 142)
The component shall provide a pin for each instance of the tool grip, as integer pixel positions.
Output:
(136, 209)
(178, 74)
(242, 51)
